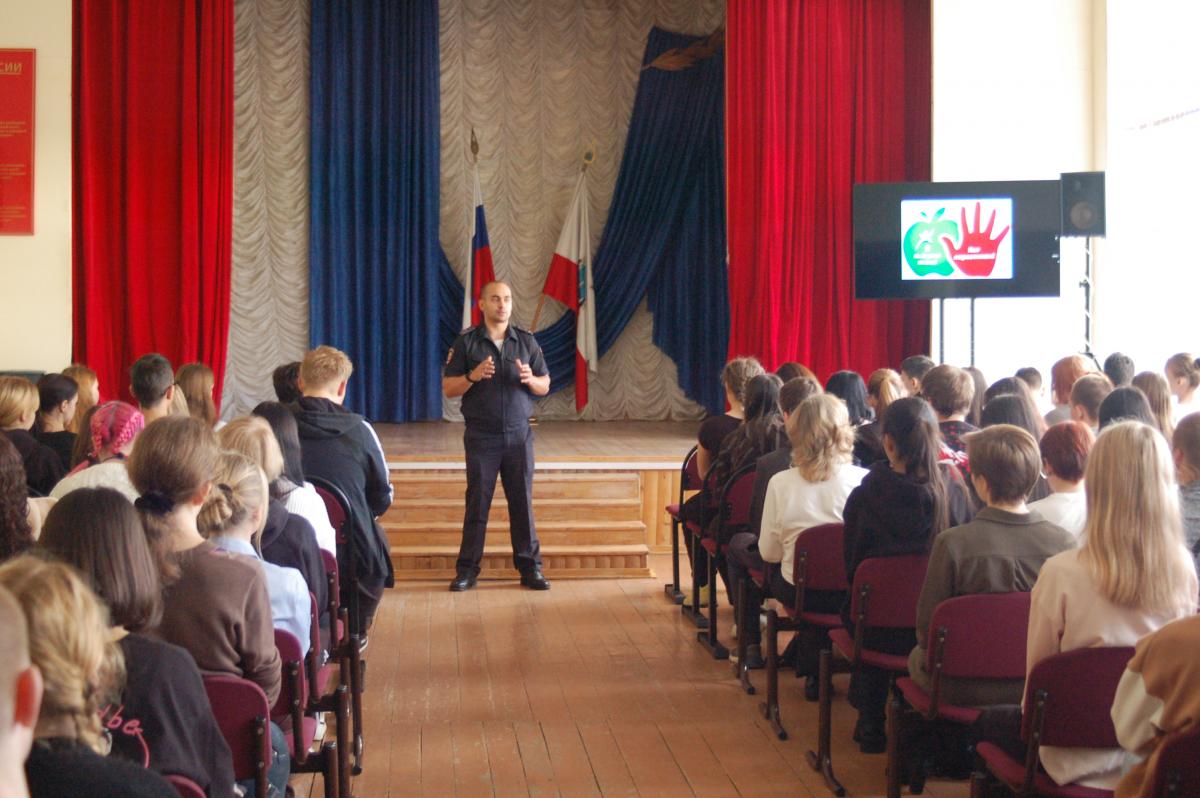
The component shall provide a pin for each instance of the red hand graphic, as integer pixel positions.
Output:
(975, 256)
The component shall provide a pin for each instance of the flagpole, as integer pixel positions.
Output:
(588, 157)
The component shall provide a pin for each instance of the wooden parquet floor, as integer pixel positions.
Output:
(595, 688)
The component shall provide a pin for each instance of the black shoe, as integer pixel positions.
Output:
(812, 688)
(534, 580)
(870, 736)
(462, 582)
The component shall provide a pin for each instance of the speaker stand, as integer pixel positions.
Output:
(1086, 285)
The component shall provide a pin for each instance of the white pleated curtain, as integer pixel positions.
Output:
(540, 81)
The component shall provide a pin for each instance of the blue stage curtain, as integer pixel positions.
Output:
(375, 170)
(665, 234)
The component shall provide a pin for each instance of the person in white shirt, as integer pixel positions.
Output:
(232, 518)
(811, 493)
(1183, 375)
(1065, 448)
(1132, 575)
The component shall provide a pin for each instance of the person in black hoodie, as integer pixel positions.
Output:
(19, 402)
(163, 720)
(59, 397)
(898, 509)
(341, 448)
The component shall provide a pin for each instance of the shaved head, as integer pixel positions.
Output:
(489, 287)
(495, 300)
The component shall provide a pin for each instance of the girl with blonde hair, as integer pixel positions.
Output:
(196, 382)
(82, 669)
(1158, 394)
(19, 403)
(1132, 575)
(811, 493)
(884, 386)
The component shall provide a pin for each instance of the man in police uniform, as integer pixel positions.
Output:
(497, 369)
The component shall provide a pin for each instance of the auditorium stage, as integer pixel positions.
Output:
(599, 496)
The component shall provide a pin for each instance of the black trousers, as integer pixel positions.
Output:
(511, 456)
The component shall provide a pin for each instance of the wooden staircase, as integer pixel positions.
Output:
(590, 524)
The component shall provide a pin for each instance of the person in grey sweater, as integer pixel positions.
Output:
(1000, 551)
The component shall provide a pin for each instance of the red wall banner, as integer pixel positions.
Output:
(16, 141)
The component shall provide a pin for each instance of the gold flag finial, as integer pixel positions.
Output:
(474, 145)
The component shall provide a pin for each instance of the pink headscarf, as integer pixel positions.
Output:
(115, 424)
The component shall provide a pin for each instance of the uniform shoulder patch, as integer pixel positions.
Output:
(449, 356)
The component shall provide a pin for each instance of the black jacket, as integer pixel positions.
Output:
(290, 542)
(766, 467)
(62, 768)
(335, 445)
(43, 468)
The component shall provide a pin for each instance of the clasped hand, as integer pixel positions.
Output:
(487, 369)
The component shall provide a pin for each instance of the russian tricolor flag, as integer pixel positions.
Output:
(480, 270)
(570, 282)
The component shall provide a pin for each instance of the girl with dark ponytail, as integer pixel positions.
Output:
(899, 508)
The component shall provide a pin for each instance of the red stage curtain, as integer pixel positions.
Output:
(153, 183)
(821, 94)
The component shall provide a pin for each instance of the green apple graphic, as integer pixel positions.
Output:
(923, 244)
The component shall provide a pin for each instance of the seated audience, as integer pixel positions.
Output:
(974, 415)
(1065, 448)
(1132, 575)
(1037, 389)
(232, 519)
(1119, 369)
(114, 427)
(1063, 377)
(298, 496)
(850, 388)
(215, 605)
(1157, 698)
(16, 531)
(790, 396)
(883, 388)
(913, 370)
(1126, 404)
(949, 391)
(58, 398)
(1185, 446)
(791, 370)
(1183, 375)
(1154, 386)
(899, 508)
(81, 669)
(163, 720)
(196, 382)
(1007, 386)
(1000, 551)
(286, 380)
(20, 697)
(89, 395)
(152, 383)
(810, 493)
(18, 410)
(82, 451)
(341, 447)
(1086, 396)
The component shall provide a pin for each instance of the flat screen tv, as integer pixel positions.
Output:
(945, 240)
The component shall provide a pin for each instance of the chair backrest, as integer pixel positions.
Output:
(185, 786)
(885, 591)
(818, 551)
(240, 708)
(337, 506)
(1177, 765)
(1077, 688)
(689, 474)
(294, 684)
(981, 636)
(736, 496)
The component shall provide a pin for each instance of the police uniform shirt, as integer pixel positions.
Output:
(501, 403)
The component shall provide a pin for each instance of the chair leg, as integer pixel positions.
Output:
(770, 708)
(357, 676)
(709, 639)
(895, 727)
(331, 775)
(746, 615)
(698, 561)
(672, 589)
(343, 734)
(822, 758)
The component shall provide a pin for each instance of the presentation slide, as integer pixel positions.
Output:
(956, 239)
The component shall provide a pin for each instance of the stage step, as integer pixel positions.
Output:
(558, 562)
(589, 523)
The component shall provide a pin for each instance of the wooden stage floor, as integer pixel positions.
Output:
(595, 688)
(640, 443)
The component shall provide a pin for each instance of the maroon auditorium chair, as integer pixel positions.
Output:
(241, 710)
(733, 508)
(1177, 766)
(970, 637)
(185, 787)
(689, 479)
(300, 725)
(1068, 703)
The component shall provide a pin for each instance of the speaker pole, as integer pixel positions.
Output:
(1086, 285)
(972, 331)
(941, 329)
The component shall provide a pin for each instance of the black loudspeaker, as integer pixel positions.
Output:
(1083, 204)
